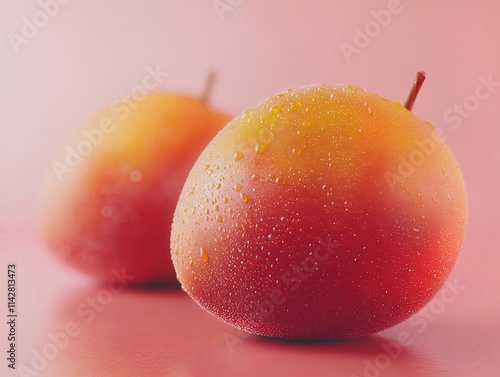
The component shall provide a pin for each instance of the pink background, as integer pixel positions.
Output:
(91, 52)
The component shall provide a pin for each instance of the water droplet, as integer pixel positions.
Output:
(294, 106)
(254, 177)
(276, 128)
(237, 187)
(238, 155)
(203, 255)
(136, 176)
(217, 207)
(301, 133)
(297, 151)
(307, 124)
(370, 110)
(260, 148)
(280, 180)
(276, 109)
(218, 186)
(332, 95)
(416, 229)
(218, 218)
(244, 198)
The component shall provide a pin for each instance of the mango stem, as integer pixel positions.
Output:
(208, 87)
(419, 80)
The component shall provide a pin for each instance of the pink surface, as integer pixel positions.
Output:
(90, 53)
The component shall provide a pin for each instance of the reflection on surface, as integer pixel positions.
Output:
(164, 333)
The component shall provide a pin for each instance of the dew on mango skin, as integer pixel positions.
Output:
(237, 187)
(285, 220)
(238, 156)
(280, 180)
(294, 106)
(203, 255)
(260, 148)
(301, 133)
(276, 109)
(244, 198)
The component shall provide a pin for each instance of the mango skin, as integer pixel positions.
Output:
(324, 212)
(112, 213)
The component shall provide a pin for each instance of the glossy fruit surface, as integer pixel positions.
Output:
(109, 202)
(323, 212)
